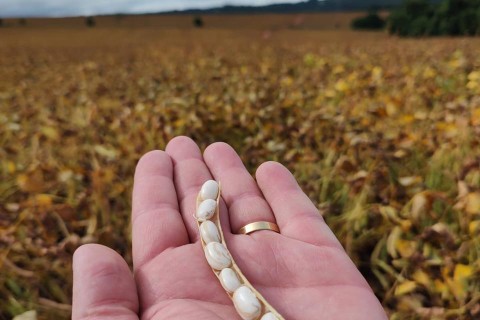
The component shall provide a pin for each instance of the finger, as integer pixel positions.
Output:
(156, 220)
(190, 173)
(244, 200)
(296, 215)
(103, 286)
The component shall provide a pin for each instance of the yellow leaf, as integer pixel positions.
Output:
(462, 272)
(474, 76)
(448, 129)
(458, 288)
(377, 73)
(329, 93)
(391, 109)
(473, 203)
(405, 287)
(472, 85)
(400, 154)
(50, 132)
(405, 247)
(457, 61)
(43, 200)
(458, 285)
(420, 115)
(476, 117)
(338, 69)
(366, 121)
(429, 73)
(389, 212)
(406, 225)
(286, 81)
(11, 167)
(106, 152)
(441, 288)
(421, 277)
(406, 119)
(474, 228)
(342, 86)
(309, 59)
(180, 123)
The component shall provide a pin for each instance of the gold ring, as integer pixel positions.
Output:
(260, 225)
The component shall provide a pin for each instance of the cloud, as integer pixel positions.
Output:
(58, 8)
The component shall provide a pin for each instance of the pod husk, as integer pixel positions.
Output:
(266, 307)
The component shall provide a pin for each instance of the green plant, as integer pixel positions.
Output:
(372, 21)
(451, 17)
(198, 22)
(90, 22)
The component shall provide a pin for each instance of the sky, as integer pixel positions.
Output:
(60, 8)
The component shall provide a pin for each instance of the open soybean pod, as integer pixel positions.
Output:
(248, 302)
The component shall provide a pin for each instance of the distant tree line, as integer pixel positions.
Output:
(21, 22)
(417, 18)
(306, 6)
(372, 21)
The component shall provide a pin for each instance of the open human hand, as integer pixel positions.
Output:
(303, 271)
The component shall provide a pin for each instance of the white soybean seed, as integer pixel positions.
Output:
(206, 209)
(229, 280)
(269, 316)
(217, 256)
(209, 232)
(246, 303)
(209, 190)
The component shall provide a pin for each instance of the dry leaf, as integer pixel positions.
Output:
(28, 315)
(410, 181)
(405, 287)
(31, 182)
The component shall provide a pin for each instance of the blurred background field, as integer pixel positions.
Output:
(382, 133)
(331, 20)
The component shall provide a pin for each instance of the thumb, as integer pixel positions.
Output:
(103, 286)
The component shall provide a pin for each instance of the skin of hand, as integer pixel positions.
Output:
(303, 272)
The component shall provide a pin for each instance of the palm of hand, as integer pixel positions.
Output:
(303, 272)
(298, 284)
